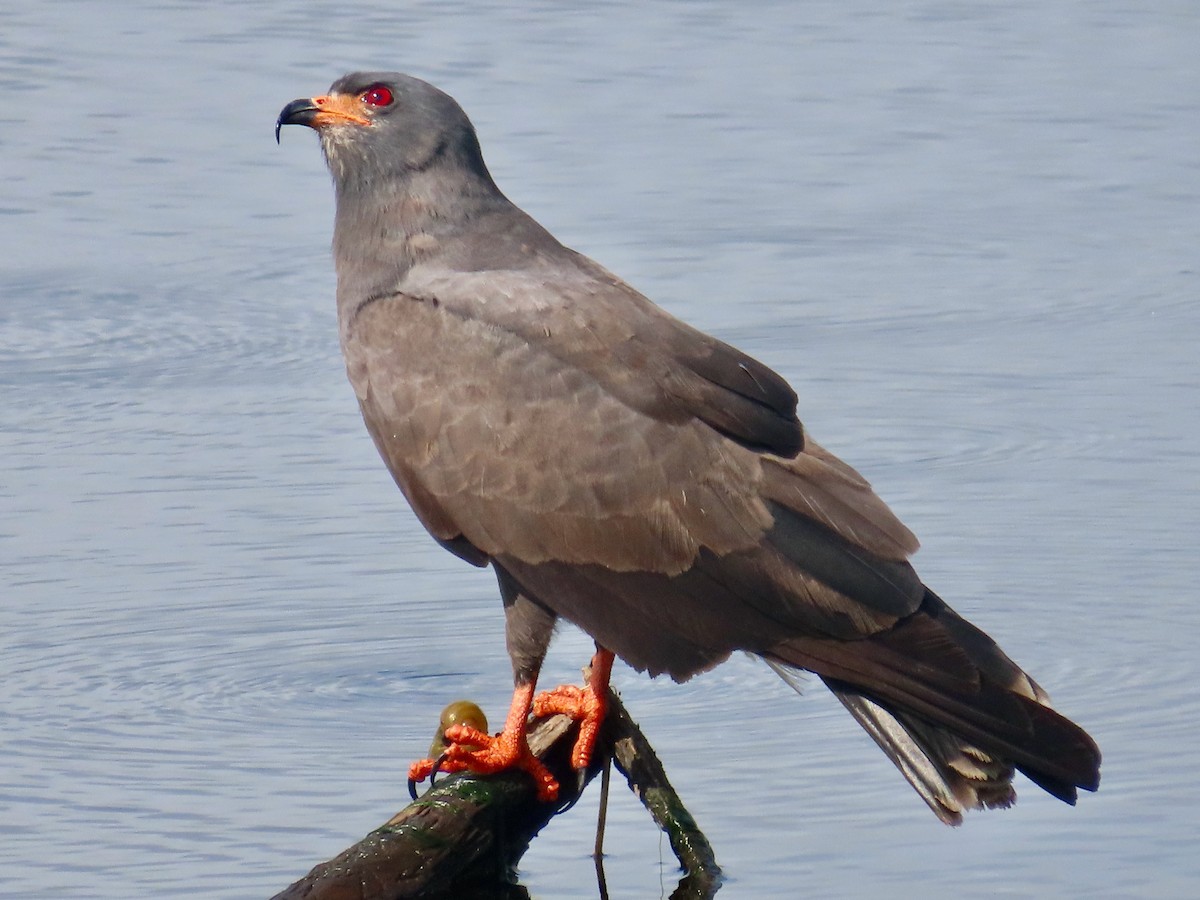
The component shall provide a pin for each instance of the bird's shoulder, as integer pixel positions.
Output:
(549, 420)
(551, 412)
(566, 309)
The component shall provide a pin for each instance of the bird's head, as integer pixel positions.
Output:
(380, 126)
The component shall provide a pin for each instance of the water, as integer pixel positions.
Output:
(966, 233)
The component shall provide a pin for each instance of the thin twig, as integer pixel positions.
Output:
(638, 762)
(601, 821)
(602, 816)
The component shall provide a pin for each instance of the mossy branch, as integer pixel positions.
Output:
(465, 836)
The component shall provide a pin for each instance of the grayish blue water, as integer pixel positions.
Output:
(967, 233)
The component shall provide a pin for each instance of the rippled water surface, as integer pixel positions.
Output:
(967, 233)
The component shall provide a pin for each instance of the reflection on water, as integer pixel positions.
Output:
(967, 236)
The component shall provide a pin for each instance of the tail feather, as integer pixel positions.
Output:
(949, 774)
(950, 710)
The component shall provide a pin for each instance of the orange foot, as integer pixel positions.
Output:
(476, 751)
(587, 705)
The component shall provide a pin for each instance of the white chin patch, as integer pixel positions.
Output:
(334, 141)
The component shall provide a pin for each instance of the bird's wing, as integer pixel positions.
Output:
(579, 423)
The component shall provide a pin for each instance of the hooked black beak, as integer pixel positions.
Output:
(298, 112)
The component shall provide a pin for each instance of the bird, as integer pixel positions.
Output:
(623, 471)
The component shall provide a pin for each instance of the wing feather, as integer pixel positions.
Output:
(557, 464)
(585, 426)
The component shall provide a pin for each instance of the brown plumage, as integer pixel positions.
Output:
(625, 472)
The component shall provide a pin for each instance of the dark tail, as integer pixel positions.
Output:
(951, 710)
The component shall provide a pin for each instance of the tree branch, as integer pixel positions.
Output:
(465, 836)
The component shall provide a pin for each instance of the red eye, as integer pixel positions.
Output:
(377, 95)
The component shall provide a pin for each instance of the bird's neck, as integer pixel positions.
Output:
(382, 230)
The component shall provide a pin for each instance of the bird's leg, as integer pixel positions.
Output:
(588, 705)
(528, 628)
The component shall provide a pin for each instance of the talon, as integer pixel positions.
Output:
(420, 770)
(428, 768)
(438, 766)
(580, 784)
(475, 750)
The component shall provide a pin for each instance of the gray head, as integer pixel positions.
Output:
(379, 127)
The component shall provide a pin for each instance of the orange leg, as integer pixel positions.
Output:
(471, 749)
(588, 705)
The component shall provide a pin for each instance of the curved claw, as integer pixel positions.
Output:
(580, 784)
(428, 768)
(437, 767)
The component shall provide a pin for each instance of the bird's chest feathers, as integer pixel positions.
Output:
(432, 384)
